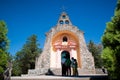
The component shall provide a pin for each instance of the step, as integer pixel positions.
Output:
(55, 71)
(54, 77)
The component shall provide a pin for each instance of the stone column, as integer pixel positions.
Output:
(58, 58)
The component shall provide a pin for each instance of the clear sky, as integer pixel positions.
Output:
(27, 17)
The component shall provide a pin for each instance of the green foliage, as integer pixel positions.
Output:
(4, 43)
(109, 58)
(3, 61)
(111, 43)
(25, 58)
(96, 52)
(3, 64)
(16, 70)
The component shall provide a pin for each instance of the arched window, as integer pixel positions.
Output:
(64, 39)
(63, 16)
(61, 22)
(66, 22)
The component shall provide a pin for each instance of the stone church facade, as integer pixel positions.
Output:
(64, 37)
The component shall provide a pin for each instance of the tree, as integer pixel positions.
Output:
(25, 58)
(4, 43)
(111, 43)
(96, 52)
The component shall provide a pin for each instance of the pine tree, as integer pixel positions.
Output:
(96, 52)
(25, 58)
(111, 43)
(4, 43)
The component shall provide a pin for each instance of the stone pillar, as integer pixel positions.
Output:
(58, 59)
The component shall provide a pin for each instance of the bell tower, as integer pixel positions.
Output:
(64, 19)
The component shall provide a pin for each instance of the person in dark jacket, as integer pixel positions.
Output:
(63, 66)
(74, 66)
(75, 69)
(68, 67)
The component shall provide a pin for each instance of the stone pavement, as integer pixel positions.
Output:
(48, 78)
(54, 77)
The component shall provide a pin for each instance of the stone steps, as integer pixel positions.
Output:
(54, 77)
(56, 71)
(47, 78)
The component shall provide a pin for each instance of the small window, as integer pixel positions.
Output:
(61, 22)
(63, 16)
(66, 22)
(64, 39)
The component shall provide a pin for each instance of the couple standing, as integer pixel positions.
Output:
(67, 64)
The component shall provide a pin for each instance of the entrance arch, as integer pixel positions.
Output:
(65, 54)
(66, 41)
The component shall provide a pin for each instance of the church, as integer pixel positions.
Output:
(64, 39)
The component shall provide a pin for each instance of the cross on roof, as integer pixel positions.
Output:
(63, 8)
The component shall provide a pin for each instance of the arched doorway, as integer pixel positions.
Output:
(64, 56)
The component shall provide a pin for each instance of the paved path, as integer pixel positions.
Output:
(44, 77)
(48, 78)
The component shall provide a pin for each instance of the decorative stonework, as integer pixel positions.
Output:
(46, 60)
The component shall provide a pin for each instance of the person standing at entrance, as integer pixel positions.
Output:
(75, 69)
(74, 66)
(68, 66)
(63, 66)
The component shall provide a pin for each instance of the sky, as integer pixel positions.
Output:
(27, 17)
